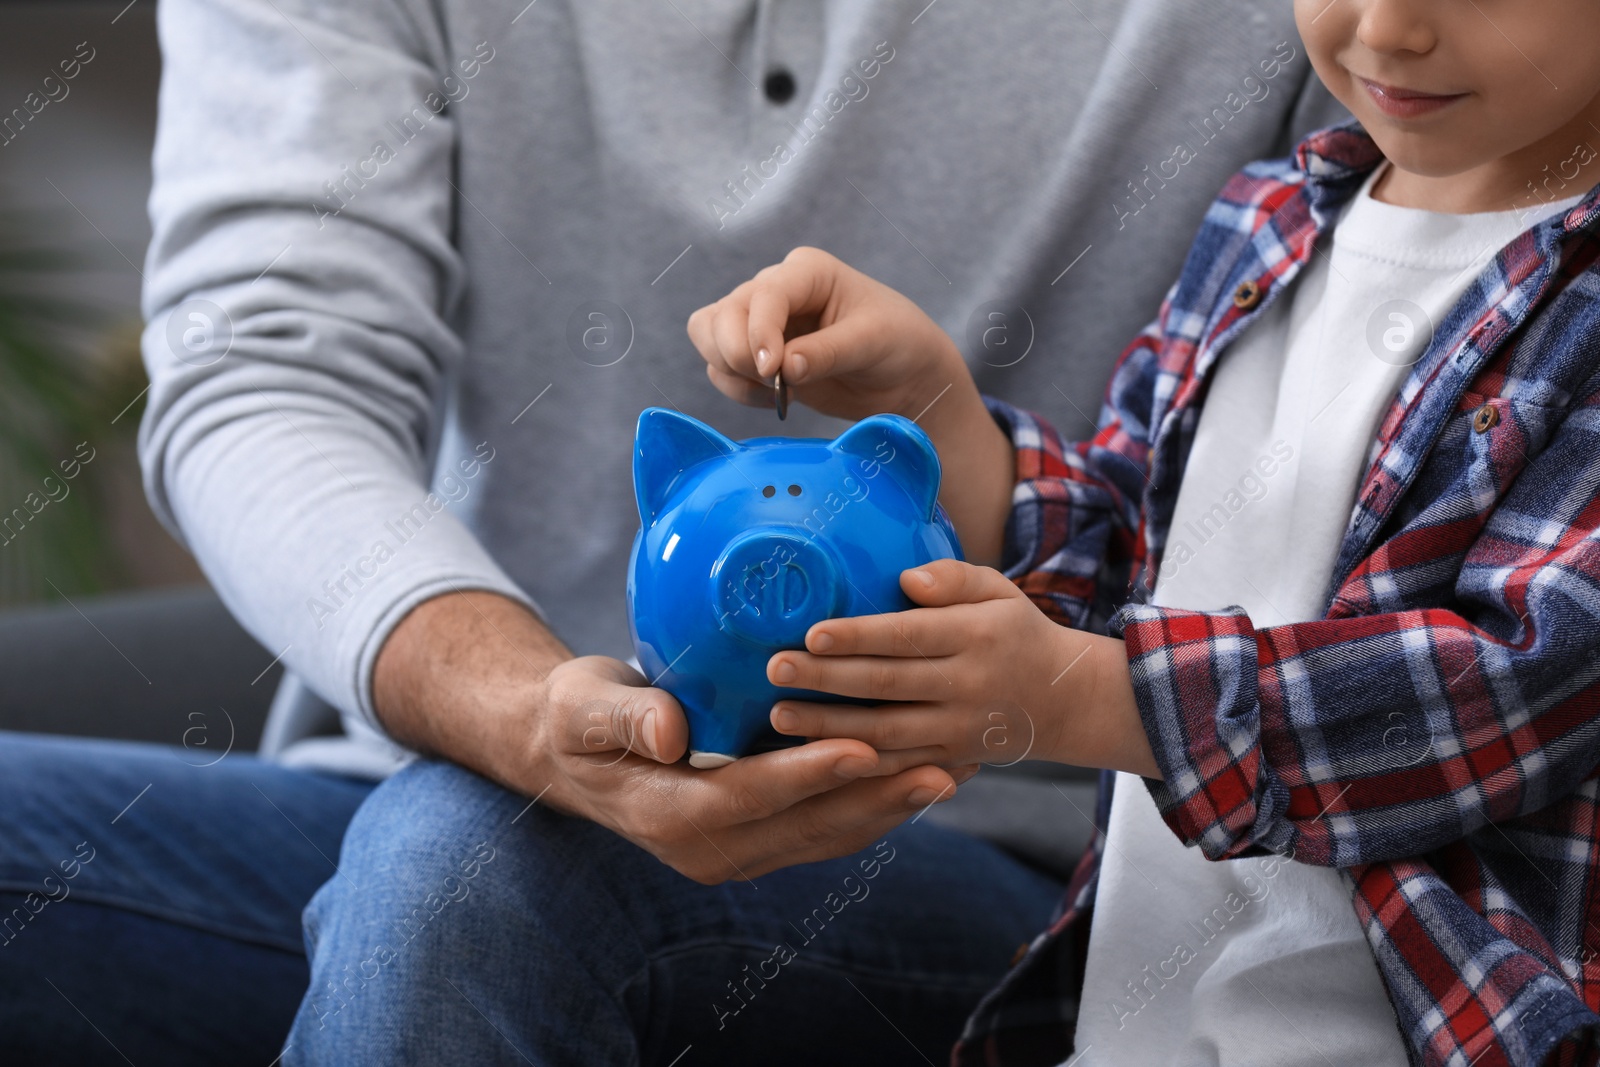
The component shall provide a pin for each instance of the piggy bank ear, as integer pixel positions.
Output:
(665, 445)
(895, 444)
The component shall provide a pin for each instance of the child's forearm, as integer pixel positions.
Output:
(977, 462)
(1105, 730)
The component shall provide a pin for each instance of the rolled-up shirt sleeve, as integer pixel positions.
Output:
(1356, 738)
(1360, 738)
(1073, 539)
(297, 292)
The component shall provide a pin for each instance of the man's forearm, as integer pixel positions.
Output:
(458, 677)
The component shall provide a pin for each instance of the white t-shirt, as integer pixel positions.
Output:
(1262, 961)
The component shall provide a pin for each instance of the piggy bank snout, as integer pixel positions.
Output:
(771, 585)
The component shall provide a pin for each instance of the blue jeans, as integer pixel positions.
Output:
(150, 905)
(462, 925)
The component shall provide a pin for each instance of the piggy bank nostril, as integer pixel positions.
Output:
(794, 490)
(768, 491)
(770, 586)
(781, 592)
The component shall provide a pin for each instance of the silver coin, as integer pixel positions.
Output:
(780, 394)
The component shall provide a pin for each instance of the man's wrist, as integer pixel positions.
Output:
(461, 677)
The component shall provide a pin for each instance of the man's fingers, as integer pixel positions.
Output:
(759, 786)
(609, 669)
(840, 822)
(903, 759)
(877, 678)
(770, 810)
(918, 632)
(952, 581)
(612, 712)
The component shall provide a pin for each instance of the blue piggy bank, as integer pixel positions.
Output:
(744, 545)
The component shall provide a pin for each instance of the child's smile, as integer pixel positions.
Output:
(1469, 99)
(1406, 103)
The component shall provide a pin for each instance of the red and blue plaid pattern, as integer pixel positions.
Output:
(1436, 735)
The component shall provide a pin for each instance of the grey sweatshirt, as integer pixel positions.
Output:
(417, 266)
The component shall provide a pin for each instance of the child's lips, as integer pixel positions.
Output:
(1405, 103)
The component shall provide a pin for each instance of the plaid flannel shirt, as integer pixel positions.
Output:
(1436, 734)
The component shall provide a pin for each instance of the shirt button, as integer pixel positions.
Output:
(1487, 418)
(1247, 296)
(779, 85)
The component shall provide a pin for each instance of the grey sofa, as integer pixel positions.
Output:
(144, 666)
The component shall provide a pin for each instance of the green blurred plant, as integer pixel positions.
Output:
(54, 393)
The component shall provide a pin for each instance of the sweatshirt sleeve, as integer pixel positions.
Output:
(297, 292)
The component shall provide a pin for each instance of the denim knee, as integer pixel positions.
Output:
(441, 866)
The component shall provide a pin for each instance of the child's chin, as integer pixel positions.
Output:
(1429, 154)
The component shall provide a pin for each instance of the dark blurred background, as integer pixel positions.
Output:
(106, 625)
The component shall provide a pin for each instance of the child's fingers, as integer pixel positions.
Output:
(702, 334)
(887, 729)
(769, 317)
(869, 677)
(731, 335)
(716, 331)
(802, 287)
(852, 343)
(953, 581)
(741, 389)
(919, 632)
